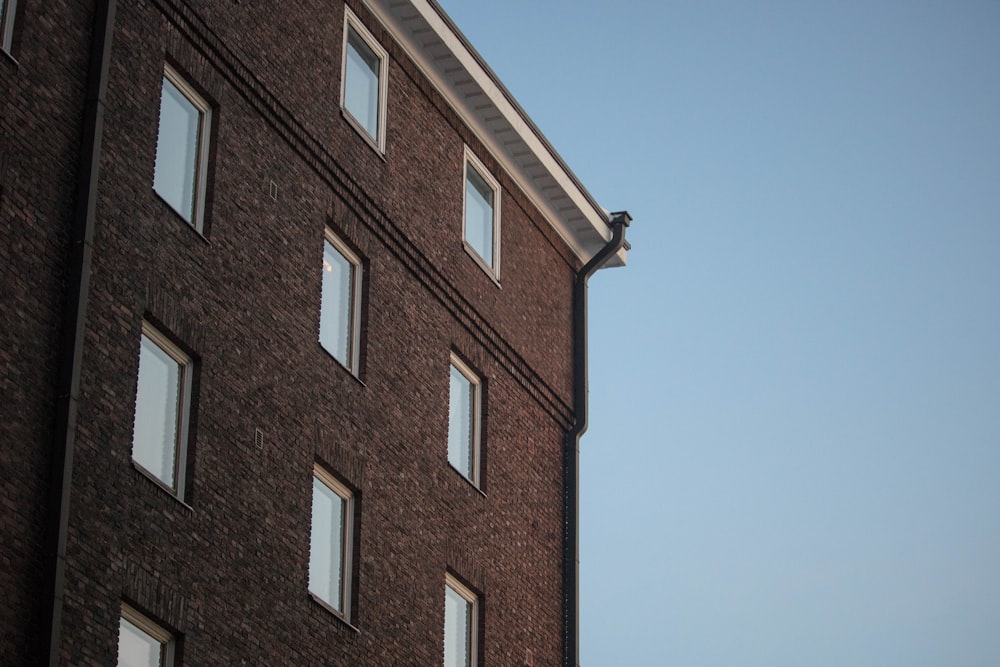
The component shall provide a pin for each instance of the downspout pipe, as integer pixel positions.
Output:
(571, 449)
(81, 237)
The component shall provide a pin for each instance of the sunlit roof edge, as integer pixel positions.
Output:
(423, 29)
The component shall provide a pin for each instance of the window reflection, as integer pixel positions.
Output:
(361, 83)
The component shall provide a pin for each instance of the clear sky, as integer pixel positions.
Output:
(794, 450)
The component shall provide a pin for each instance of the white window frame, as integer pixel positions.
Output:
(476, 418)
(347, 545)
(473, 162)
(473, 631)
(352, 22)
(353, 361)
(185, 367)
(7, 15)
(197, 214)
(151, 630)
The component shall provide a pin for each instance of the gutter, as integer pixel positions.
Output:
(571, 449)
(81, 238)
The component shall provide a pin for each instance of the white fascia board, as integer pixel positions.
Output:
(586, 243)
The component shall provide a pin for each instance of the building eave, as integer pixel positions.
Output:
(459, 73)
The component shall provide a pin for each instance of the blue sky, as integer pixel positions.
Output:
(794, 448)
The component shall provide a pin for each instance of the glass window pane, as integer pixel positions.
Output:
(326, 552)
(176, 171)
(361, 83)
(157, 407)
(7, 11)
(457, 626)
(136, 648)
(336, 324)
(461, 410)
(479, 215)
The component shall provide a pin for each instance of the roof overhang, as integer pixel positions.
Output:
(471, 88)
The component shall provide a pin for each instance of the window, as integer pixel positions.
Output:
(464, 420)
(141, 643)
(460, 618)
(481, 225)
(159, 437)
(8, 8)
(181, 169)
(363, 92)
(330, 547)
(340, 305)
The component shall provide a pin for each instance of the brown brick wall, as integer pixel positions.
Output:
(41, 101)
(228, 569)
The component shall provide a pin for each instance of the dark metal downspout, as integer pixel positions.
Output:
(75, 315)
(571, 449)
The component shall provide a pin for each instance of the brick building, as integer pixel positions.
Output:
(293, 349)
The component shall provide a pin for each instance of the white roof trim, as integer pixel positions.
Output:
(445, 57)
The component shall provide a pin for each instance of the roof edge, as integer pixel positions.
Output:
(564, 201)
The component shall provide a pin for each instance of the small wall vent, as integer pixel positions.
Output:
(258, 438)
(274, 191)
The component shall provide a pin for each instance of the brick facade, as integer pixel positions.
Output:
(226, 570)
